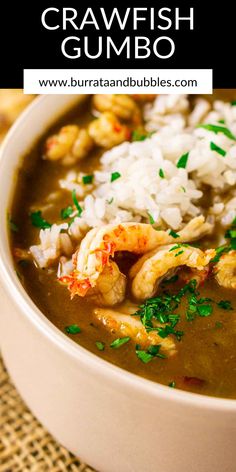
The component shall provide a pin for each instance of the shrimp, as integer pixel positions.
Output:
(122, 324)
(164, 262)
(110, 287)
(69, 145)
(225, 270)
(100, 244)
(122, 106)
(107, 131)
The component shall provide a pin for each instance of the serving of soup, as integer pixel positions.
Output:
(123, 233)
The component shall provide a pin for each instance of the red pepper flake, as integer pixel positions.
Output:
(117, 127)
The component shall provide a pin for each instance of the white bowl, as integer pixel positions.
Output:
(113, 420)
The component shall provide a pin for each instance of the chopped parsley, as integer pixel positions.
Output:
(151, 219)
(161, 173)
(152, 352)
(38, 221)
(221, 121)
(173, 234)
(171, 280)
(178, 246)
(100, 345)
(110, 201)
(179, 253)
(172, 384)
(66, 212)
(218, 129)
(225, 305)
(115, 176)
(140, 136)
(218, 324)
(233, 103)
(204, 310)
(12, 225)
(87, 179)
(119, 342)
(73, 329)
(217, 149)
(219, 252)
(182, 162)
(76, 203)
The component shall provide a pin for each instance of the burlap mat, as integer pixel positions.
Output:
(24, 444)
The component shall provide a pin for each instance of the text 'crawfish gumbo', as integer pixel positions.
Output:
(123, 231)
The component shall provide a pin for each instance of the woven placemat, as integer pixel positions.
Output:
(24, 444)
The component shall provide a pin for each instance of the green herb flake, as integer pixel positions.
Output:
(38, 221)
(115, 176)
(12, 225)
(179, 253)
(110, 201)
(100, 345)
(233, 103)
(171, 280)
(161, 173)
(217, 149)
(218, 324)
(172, 384)
(87, 179)
(183, 189)
(182, 162)
(221, 121)
(119, 342)
(173, 234)
(73, 329)
(218, 129)
(66, 212)
(204, 310)
(144, 356)
(151, 219)
(139, 136)
(225, 305)
(76, 203)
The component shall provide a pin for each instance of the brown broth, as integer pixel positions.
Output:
(206, 358)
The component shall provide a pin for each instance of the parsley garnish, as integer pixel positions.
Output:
(225, 305)
(171, 280)
(115, 176)
(179, 253)
(100, 345)
(182, 162)
(172, 384)
(73, 329)
(218, 149)
(218, 324)
(38, 221)
(173, 234)
(233, 103)
(66, 212)
(218, 129)
(161, 173)
(150, 353)
(151, 219)
(119, 342)
(110, 201)
(12, 225)
(138, 136)
(76, 203)
(204, 310)
(87, 179)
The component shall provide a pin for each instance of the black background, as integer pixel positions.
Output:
(25, 43)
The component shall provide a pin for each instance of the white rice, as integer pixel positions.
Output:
(140, 193)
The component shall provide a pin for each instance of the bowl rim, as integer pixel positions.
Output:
(102, 367)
